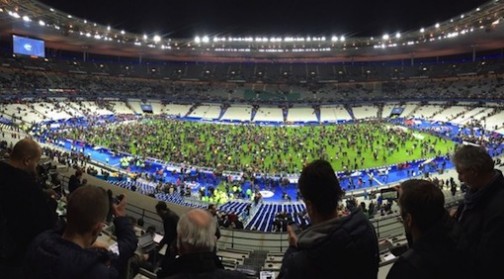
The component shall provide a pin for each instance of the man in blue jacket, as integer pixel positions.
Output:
(334, 246)
(70, 254)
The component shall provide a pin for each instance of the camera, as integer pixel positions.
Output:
(118, 198)
(389, 193)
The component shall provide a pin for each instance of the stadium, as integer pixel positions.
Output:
(231, 121)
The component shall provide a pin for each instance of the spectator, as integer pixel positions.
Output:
(481, 213)
(75, 181)
(170, 220)
(333, 244)
(437, 246)
(213, 211)
(25, 209)
(196, 241)
(70, 253)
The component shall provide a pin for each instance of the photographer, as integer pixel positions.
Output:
(70, 253)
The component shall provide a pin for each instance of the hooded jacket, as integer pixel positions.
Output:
(345, 247)
(52, 257)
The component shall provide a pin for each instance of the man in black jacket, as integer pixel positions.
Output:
(25, 209)
(482, 212)
(334, 246)
(75, 181)
(70, 254)
(438, 247)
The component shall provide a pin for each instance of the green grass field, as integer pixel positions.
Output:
(269, 149)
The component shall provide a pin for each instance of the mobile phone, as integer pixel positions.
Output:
(295, 228)
(389, 193)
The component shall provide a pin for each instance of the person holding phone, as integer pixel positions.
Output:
(333, 244)
(70, 253)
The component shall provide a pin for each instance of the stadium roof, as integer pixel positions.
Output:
(479, 28)
(186, 19)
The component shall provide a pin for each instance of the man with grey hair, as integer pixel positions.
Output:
(481, 214)
(195, 242)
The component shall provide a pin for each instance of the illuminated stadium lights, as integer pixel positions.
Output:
(232, 49)
(122, 32)
(69, 16)
(205, 39)
(88, 34)
(138, 43)
(422, 30)
(311, 49)
(156, 38)
(342, 38)
(452, 35)
(108, 28)
(41, 23)
(97, 36)
(437, 25)
(14, 15)
(398, 35)
(197, 39)
(386, 37)
(145, 37)
(26, 18)
(334, 38)
(271, 50)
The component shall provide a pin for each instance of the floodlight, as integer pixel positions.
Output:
(41, 23)
(157, 38)
(398, 35)
(334, 38)
(205, 39)
(385, 37)
(26, 18)
(437, 25)
(197, 39)
(422, 30)
(122, 32)
(145, 37)
(342, 38)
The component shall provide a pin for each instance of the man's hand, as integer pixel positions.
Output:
(119, 210)
(293, 239)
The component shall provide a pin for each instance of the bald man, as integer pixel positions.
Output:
(196, 241)
(25, 210)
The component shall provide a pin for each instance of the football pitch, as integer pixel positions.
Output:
(267, 149)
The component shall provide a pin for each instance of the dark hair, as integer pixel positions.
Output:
(161, 206)
(318, 184)
(424, 201)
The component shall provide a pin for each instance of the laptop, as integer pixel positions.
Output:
(146, 243)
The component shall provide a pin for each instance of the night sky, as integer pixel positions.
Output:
(187, 18)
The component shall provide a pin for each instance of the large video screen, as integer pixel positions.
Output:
(146, 108)
(27, 46)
